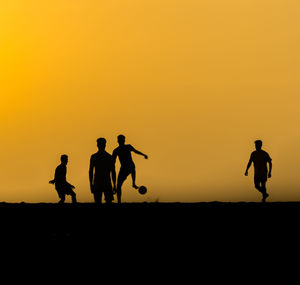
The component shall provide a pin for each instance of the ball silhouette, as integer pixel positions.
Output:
(143, 190)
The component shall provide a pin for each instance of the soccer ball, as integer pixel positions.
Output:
(143, 190)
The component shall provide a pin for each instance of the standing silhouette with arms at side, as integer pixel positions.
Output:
(63, 187)
(101, 173)
(123, 151)
(260, 158)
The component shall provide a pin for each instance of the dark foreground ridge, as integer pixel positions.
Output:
(192, 224)
(191, 240)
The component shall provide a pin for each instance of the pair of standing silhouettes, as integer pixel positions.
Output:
(102, 174)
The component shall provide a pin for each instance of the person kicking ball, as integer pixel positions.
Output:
(123, 151)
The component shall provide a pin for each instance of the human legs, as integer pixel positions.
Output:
(260, 185)
(98, 197)
(257, 183)
(264, 190)
(73, 196)
(119, 187)
(123, 173)
(68, 190)
(61, 195)
(108, 195)
(133, 175)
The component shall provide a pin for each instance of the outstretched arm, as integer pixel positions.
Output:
(138, 152)
(248, 166)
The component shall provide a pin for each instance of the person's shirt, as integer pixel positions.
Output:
(260, 158)
(102, 165)
(124, 154)
(60, 174)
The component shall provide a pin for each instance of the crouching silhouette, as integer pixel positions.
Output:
(63, 187)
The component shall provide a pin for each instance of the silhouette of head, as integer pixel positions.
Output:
(64, 159)
(258, 144)
(121, 139)
(101, 143)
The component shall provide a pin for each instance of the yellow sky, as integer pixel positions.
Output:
(191, 83)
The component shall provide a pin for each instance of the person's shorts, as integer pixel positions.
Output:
(260, 178)
(106, 190)
(64, 190)
(125, 171)
(102, 189)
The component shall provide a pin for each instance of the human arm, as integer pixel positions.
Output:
(270, 168)
(138, 152)
(114, 156)
(248, 165)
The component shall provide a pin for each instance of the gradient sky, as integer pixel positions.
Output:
(192, 83)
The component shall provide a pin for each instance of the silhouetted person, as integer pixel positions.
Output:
(123, 151)
(260, 158)
(101, 173)
(63, 187)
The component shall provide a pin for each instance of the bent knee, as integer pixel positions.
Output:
(257, 186)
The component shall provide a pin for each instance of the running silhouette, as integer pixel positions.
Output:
(123, 151)
(102, 171)
(63, 187)
(260, 158)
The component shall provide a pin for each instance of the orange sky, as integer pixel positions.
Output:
(190, 83)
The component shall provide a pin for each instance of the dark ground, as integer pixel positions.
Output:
(151, 223)
(196, 235)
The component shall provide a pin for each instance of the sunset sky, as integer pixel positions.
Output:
(191, 83)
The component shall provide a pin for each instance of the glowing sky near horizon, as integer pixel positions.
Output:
(190, 83)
